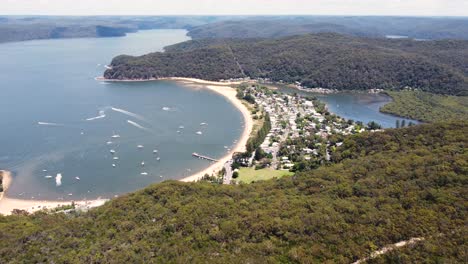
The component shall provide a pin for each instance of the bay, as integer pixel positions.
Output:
(56, 118)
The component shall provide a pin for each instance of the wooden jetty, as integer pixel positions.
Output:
(203, 157)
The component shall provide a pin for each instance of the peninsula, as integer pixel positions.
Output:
(324, 60)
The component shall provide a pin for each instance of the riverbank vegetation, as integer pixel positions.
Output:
(322, 60)
(381, 188)
(427, 107)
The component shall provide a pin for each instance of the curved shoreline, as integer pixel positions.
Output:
(7, 205)
(225, 89)
(230, 94)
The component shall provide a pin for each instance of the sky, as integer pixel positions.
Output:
(236, 7)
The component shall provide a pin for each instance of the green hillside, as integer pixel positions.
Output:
(384, 187)
(369, 26)
(322, 60)
(427, 107)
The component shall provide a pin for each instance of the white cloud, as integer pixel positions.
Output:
(225, 7)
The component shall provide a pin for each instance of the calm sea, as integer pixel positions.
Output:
(55, 118)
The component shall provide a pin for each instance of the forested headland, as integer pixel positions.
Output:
(22, 28)
(321, 60)
(381, 188)
(427, 107)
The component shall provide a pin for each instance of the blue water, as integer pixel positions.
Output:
(362, 107)
(52, 81)
(357, 106)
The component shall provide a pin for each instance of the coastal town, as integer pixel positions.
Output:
(302, 133)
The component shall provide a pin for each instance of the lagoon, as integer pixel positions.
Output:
(358, 106)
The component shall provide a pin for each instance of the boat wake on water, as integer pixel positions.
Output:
(101, 115)
(48, 124)
(128, 113)
(135, 124)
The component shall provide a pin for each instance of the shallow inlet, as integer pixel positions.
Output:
(358, 106)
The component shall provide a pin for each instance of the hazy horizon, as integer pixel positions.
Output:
(417, 8)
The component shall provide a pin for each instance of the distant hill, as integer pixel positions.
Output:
(322, 60)
(275, 27)
(19, 28)
(385, 187)
(14, 28)
(10, 33)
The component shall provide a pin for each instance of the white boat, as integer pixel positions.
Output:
(140, 146)
(181, 127)
(113, 165)
(203, 124)
(58, 179)
(144, 173)
(142, 163)
(160, 176)
(115, 136)
(44, 170)
(158, 158)
(199, 133)
(48, 177)
(155, 151)
(115, 158)
(178, 131)
(109, 142)
(112, 151)
(70, 194)
(77, 178)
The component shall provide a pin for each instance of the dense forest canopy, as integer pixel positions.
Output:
(427, 107)
(384, 187)
(20, 28)
(322, 60)
(367, 26)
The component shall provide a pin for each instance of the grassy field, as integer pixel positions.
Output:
(247, 175)
(427, 107)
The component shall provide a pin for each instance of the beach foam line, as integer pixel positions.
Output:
(125, 112)
(135, 124)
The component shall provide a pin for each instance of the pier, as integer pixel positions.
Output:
(203, 157)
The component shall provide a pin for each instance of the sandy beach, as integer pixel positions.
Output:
(223, 88)
(229, 93)
(9, 204)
